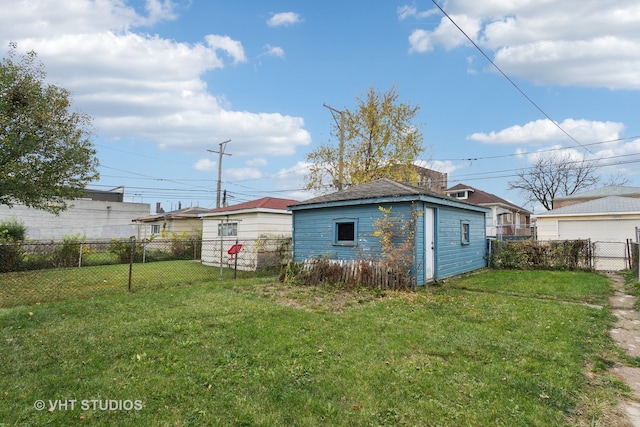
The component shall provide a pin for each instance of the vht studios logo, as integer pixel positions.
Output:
(88, 405)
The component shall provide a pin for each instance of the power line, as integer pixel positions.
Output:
(511, 81)
(548, 150)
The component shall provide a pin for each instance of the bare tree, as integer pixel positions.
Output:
(555, 176)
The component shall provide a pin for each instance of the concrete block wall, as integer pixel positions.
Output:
(94, 219)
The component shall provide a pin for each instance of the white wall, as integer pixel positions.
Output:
(94, 219)
(251, 226)
(596, 228)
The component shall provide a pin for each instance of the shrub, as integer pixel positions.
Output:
(121, 248)
(184, 246)
(68, 253)
(12, 230)
(11, 256)
(529, 255)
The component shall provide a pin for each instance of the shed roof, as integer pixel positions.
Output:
(605, 205)
(383, 188)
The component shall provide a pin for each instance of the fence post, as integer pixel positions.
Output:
(80, 256)
(235, 261)
(132, 249)
(638, 248)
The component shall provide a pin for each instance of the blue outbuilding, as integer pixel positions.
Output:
(449, 234)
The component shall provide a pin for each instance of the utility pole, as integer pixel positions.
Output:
(221, 153)
(340, 124)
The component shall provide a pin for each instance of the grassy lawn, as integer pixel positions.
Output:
(494, 348)
(30, 287)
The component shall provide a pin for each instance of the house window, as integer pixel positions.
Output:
(345, 232)
(459, 195)
(465, 234)
(155, 229)
(228, 229)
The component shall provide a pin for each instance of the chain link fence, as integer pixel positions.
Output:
(38, 272)
(562, 255)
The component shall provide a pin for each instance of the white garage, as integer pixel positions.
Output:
(608, 222)
(609, 219)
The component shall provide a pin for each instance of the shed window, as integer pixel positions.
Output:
(345, 232)
(465, 235)
(155, 228)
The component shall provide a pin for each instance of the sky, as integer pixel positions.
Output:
(168, 81)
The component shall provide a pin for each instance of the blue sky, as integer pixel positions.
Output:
(167, 80)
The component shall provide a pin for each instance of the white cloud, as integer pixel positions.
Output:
(238, 174)
(408, 11)
(443, 166)
(274, 51)
(446, 34)
(160, 10)
(232, 47)
(258, 161)
(544, 131)
(142, 86)
(205, 165)
(284, 19)
(586, 43)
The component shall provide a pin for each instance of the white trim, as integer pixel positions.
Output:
(603, 214)
(244, 211)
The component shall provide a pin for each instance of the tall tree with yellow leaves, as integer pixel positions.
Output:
(380, 141)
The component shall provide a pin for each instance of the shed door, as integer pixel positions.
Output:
(429, 242)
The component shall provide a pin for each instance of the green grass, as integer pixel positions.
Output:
(253, 352)
(573, 286)
(29, 287)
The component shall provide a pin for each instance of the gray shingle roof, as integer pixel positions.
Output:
(611, 190)
(603, 205)
(383, 187)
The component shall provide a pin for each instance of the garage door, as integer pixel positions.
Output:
(611, 230)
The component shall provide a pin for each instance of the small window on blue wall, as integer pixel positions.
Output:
(345, 232)
(465, 235)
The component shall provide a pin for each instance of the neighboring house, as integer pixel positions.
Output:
(264, 221)
(99, 215)
(182, 222)
(612, 190)
(450, 234)
(504, 219)
(609, 221)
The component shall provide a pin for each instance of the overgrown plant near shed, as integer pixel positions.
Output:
(394, 268)
(397, 236)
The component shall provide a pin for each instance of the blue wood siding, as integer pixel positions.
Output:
(314, 231)
(314, 236)
(452, 256)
